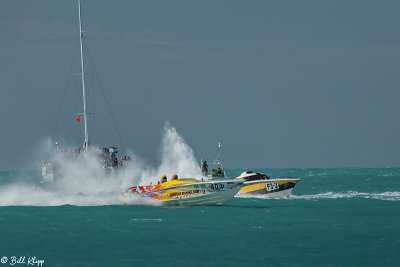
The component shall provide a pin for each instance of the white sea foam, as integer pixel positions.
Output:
(82, 180)
(389, 196)
(146, 220)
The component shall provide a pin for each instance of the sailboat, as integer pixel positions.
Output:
(50, 167)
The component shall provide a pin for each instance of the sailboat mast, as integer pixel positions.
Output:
(86, 142)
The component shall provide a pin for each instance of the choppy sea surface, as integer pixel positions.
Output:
(334, 217)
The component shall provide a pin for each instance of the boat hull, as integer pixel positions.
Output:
(270, 188)
(196, 193)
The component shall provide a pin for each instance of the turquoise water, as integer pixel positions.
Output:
(334, 217)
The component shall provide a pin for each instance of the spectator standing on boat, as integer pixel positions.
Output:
(106, 157)
(113, 151)
(204, 168)
(115, 162)
(124, 160)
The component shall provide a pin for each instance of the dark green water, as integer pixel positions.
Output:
(335, 217)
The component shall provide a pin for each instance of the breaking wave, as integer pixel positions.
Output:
(82, 181)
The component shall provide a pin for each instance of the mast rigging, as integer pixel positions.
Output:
(86, 141)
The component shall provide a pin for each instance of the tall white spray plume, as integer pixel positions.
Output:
(83, 181)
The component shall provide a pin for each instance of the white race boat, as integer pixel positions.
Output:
(255, 184)
(189, 191)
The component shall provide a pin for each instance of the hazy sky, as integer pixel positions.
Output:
(279, 83)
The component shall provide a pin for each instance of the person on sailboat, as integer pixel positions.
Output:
(124, 160)
(163, 179)
(175, 177)
(115, 162)
(204, 168)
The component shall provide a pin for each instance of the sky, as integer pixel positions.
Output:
(281, 84)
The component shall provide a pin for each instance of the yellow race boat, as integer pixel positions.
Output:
(260, 184)
(189, 191)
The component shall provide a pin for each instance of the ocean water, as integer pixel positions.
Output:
(334, 217)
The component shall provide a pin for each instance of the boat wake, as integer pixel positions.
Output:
(28, 195)
(146, 220)
(82, 181)
(388, 196)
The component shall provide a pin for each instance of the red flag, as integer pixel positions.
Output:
(78, 119)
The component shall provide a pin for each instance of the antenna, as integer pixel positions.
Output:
(219, 150)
